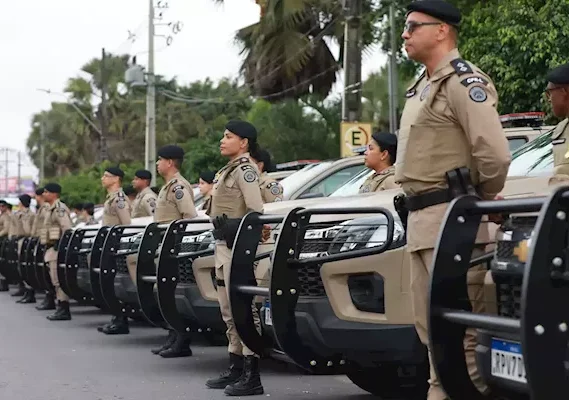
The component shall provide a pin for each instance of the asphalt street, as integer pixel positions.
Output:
(70, 360)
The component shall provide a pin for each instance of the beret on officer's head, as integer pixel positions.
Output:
(143, 174)
(439, 9)
(243, 129)
(262, 155)
(40, 191)
(88, 206)
(25, 199)
(208, 176)
(171, 152)
(385, 139)
(115, 171)
(558, 75)
(52, 188)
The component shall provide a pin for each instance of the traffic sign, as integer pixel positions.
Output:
(354, 137)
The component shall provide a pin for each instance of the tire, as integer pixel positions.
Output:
(393, 381)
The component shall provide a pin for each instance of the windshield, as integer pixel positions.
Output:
(351, 187)
(534, 159)
(299, 178)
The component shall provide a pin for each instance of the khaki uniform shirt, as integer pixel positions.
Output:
(378, 181)
(144, 204)
(271, 190)
(560, 148)
(91, 221)
(57, 220)
(5, 223)
(39, 220)
(117, 209)
(449, 121)
(14, 217)
(175, 201)
(24, 222)
(236, 189)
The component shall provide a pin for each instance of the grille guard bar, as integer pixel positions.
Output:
(94, 263)
(72, 265)
(63, 246)
(42, 270)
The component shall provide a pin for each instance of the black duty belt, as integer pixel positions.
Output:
(421, 201)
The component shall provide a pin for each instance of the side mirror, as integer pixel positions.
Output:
(311, 195)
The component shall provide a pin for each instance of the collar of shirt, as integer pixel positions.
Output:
(444, 67)
(384, 171)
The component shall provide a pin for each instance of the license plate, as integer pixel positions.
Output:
(507, 361)
(268, 319)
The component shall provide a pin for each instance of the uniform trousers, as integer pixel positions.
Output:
(51, 259)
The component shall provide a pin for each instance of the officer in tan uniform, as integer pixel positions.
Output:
(88, 213)
(5, 223)
(449, 122)
(557, 94)
(206, 185)
(38, 227)
(236, 192)
(145, 201)
(380, 156)
(175, 201)
(117, 211)
(24, 223)
(57, 220)
(271, 190)
(77, 210)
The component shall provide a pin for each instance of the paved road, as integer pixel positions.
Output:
(70, 360)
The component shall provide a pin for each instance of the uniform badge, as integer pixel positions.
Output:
(366, 189)
(179, 194)
(61, 212)
(121, 203)
(410, 93)
(249, 176)
(474, 79)
(477, 94)
(424, 92)
(275, 190)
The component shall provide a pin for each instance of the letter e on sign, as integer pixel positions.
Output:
(353, 136)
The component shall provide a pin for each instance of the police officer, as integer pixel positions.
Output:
(5, 224)
(271, 190)
(236, 192)
(145, 200)
(24, 221)
(117, 211)
(205, 185)
(449, 122)
(57, 220)
(557, 94)
(77, 209)
(175, 201)
(13, 236)
(88, 213)
(38, 227)
(380, 156)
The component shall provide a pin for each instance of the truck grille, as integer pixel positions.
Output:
(509, 299)
(505, 251)
(121, 264)
(185, 271)
(314, 246)
(310, 281)
(82, 261)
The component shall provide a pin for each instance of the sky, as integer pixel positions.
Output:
(47, 42)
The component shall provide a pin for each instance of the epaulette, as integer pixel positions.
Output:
(244, 160)
(461, 67)
(121, 194)
(177, 187)
(411, 91)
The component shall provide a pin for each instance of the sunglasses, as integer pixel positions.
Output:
(548, 92)
(411, 26)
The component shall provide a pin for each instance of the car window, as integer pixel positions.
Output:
(351, 187)
(516, 142)
(534, 159)
(334, 181)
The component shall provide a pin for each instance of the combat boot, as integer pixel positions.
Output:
(180, 347)
(29, 297)
(4, 285)
(61, 313)
(48, 303)
(20, 292)
(106, 326)
(230, 376)
(169, 342)
(249, 383)
(119, 327)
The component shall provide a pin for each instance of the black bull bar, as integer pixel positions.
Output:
(544, 307)
(284, 285)
(9, 260)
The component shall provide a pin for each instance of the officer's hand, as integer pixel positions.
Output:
(498, 218)
(265, 233)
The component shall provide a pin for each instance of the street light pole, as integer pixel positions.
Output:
(150, 134)
(42, 149)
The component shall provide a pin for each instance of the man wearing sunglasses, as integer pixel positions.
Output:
(557, 93)
(449, 127)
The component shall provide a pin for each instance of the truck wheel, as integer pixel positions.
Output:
(393, 381)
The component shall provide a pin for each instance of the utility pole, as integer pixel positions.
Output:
(19, 171)
(103, 137)
(42, 149)
(150, 134)
(352, 95)
(393, 73)
(6, 151)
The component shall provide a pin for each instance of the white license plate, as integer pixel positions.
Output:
(507, 360)
(268, 319)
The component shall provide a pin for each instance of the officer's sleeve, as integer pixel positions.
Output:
(27, 225)
(474, 106)
(149, 204)
(123, 210)
(63, 219)
(184, 200)
(273, 191)
(5, 226)
(248, 183)
(389, 183)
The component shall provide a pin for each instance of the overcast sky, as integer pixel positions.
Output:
(46, 42)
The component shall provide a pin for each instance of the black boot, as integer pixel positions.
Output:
(29, 297)
(48, 303)
(20, 292)
(249, 383)
(4, 285)
(106, 326)
(169, 342)
(180, 347)
(119, 327)
(61, 313)
(231, 375)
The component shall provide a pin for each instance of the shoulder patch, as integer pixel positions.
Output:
(179, 194)
(61, 212)
(558, 141)
(275, 190)
(250, 175)
(477, 94)
(474, 79)
(410, 93)
(272, 184)
(121, 203)
(461, 67)
(177, 187)
(246, 167)
(425, 92)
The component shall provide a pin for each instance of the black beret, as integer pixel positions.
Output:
(171, 152)
(53, 188)
(78, 206)
(6, 204)
(87, 206)
(3, 203)
(115, 171)
(385, 139)
(243, 129)
(558, 75)
(40, 191)
(129, 190)
(25, 199)
(143, 174)
(439, 9)
(262, 155)
(208, 176)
